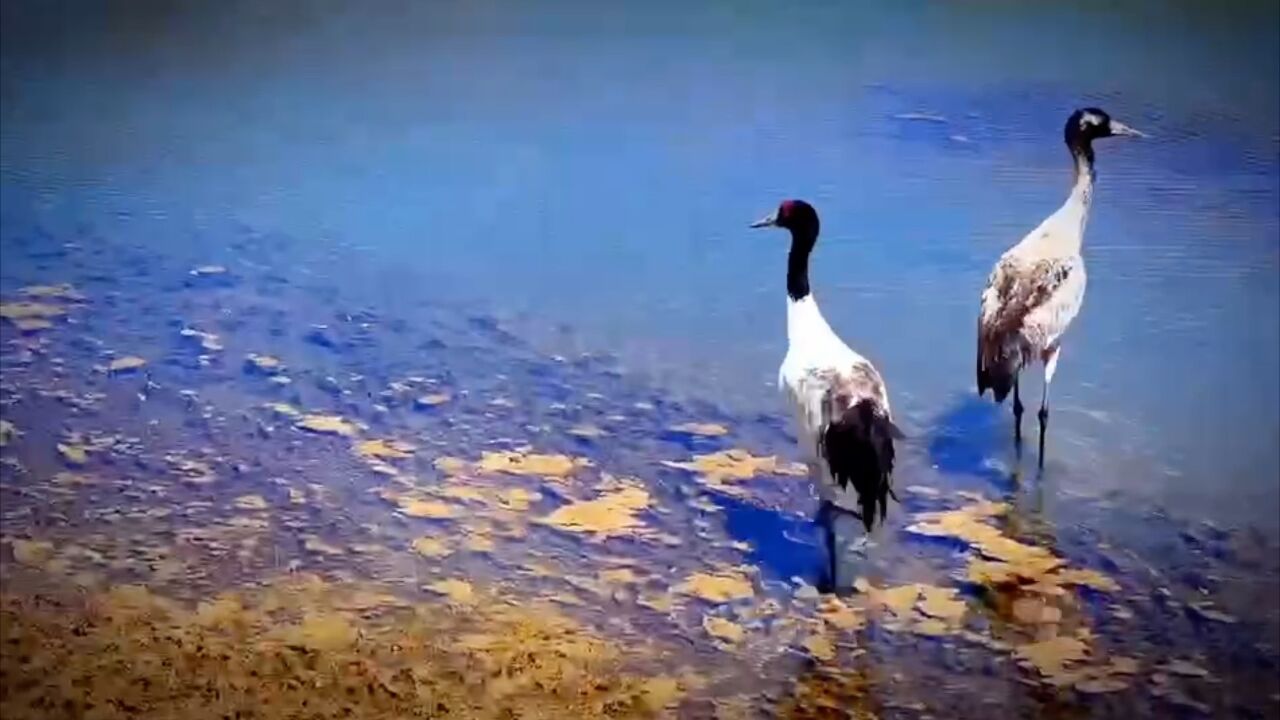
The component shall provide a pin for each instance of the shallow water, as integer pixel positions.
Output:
(465, 191)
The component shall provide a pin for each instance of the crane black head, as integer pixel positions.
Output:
(1088, 124)
(797, 216)
(801, 219)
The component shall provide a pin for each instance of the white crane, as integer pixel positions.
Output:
(841, 408)
(1037, 286)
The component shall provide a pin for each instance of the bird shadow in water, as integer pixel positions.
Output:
(783, 546)
(786, 546)
(971, 445)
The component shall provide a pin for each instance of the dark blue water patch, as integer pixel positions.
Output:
(965, 438)
(783, 546)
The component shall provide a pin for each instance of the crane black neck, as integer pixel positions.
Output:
(1081, 147)
(802, 242)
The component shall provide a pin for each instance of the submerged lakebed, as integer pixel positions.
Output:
(227, 484)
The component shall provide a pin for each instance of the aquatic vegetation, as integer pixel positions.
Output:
(458, 591)
(431, 547)
(722, 629)
(32, 552)
(452, 465)
(521, 463)
(701, 429)
(471, 558)
(1007, 561)
(61, 291)
(609, 515)
(263, 364)
(718, 471)
(327, 425)
(31, 316)
(329, 650)
(721, 586)
(73, 454)
(423, 508)
(385, 449)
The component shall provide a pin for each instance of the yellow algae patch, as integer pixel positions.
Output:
(941, 604)
(659, 603)
(460, 492)
(458, 591)
(327, 425)
(839, 615)
(450, 465)
(518, 499)
(1004, 561)
(225, 611)
(1051, 657)
(618, 576)
(899, 600)
(61, 291)
(820, 647)
(126, 364)
(34, 553)
(517, 463)
(8, 431)
(283, 651)
(432, 400)
(73, 454)
(701, 429)
(323, 632)
(722, 629)
(250, 502)
(718, 470)
(22, 310)
(718, 587)
(431, 547)
(385, 449)
(418, 507)
(609, 515)
(660, 693)
(478, 543)
(265, 364)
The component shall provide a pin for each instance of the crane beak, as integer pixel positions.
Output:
(1120, 129)
(767, 221)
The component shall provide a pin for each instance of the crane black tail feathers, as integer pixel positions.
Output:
(999, 376)
(858, 448)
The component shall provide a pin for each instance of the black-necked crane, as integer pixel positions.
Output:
(1037, 286)
(841, 407)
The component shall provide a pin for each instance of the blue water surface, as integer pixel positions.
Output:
(587, 171)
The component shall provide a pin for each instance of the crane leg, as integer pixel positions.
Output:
(1017, 414)
(1050, 366)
